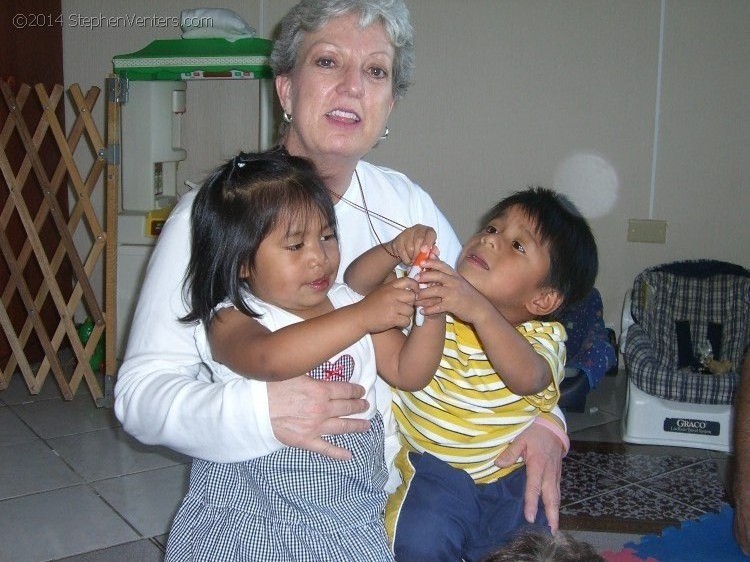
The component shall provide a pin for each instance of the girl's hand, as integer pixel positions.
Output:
(408, 244)
(389, 306)
(447, 291)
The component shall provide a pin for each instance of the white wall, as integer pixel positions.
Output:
(508, 91)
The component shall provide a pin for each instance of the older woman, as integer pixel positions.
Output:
(340, 65)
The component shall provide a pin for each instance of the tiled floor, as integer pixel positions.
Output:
(72, 482)
(75, 487)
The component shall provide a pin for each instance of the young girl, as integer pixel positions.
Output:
(262, 289)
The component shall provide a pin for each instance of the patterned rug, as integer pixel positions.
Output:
(622, 488)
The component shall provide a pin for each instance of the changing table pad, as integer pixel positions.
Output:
(194, 59)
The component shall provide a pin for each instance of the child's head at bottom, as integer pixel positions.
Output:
(536, 546)
(534, 256)
(262, 222)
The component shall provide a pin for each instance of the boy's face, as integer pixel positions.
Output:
(507, 262)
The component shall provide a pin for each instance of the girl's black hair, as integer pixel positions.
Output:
(574, 261)
(237, 207)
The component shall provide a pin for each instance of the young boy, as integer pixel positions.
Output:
(500, 370)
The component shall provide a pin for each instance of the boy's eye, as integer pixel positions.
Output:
(518, 246)
(489, 229)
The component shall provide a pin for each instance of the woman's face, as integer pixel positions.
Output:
(340, 91)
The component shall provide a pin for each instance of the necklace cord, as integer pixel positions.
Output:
(371, 214)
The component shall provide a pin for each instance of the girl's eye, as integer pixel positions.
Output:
(490, 229)
(294, 247)
(328, 237)
(518, 246)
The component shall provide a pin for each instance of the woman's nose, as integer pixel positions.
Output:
(352, 81)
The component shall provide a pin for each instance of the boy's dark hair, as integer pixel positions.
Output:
(530, 546)
(237, 207)
(574, 262)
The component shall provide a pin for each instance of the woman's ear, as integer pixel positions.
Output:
(284, 91)
(545, 302)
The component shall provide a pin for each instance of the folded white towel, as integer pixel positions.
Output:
(202, 23)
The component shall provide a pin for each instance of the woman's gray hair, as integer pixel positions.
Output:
(310, 15)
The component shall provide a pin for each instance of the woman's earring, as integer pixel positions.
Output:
(385, 133)
(286, 117)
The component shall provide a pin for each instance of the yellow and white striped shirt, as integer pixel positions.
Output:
(466, 415)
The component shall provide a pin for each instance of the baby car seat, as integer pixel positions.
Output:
(684, 313)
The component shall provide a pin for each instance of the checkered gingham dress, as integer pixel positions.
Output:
(291, 505)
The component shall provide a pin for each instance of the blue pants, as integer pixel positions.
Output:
(446, 516)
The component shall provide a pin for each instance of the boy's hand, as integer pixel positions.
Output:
(448, 291)
(389, 306)
(408, 243)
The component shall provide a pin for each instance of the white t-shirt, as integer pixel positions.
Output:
(163, 396)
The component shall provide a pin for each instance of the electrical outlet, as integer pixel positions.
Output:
(642, 230)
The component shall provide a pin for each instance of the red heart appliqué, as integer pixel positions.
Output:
(341, 370)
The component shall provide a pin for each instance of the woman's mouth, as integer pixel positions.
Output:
(343, 116)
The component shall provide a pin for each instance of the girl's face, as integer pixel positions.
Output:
(340, 91)
(508, 263)
(296, 265)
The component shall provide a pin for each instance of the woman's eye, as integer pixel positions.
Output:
(378, 72)
(324, 62)
(518, 246)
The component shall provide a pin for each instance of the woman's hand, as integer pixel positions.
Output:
(542, 453)
(304, 409)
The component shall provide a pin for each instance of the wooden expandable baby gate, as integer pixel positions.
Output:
(58, 279)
